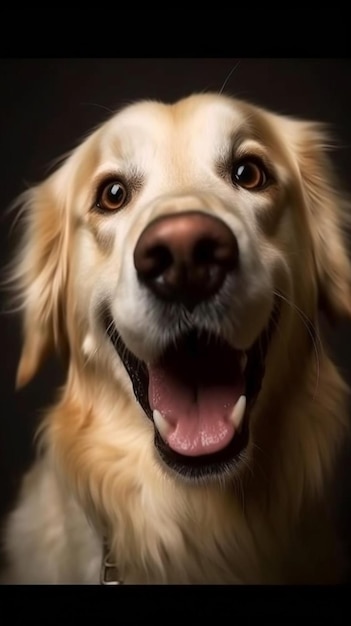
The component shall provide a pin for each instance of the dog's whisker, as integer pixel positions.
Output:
(262, 452)
(97, 105)
(313, 333)
(234, 68)
(311, 327)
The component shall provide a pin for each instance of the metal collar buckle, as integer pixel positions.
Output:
(109, 571)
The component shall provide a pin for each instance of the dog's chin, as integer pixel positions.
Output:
(199, 395)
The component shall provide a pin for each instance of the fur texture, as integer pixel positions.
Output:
(98, 472)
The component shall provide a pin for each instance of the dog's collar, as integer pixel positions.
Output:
(109, 574)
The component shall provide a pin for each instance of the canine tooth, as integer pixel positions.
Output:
(243, 362)
(161, 424)
(238, 413)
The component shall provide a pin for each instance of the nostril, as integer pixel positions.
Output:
(211, 250)
(153, 261)
(204, 251)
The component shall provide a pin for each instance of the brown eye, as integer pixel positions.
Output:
(112, 196)
(249, 174)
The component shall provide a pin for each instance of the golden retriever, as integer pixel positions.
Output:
(178, 258)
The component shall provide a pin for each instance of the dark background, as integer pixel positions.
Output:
(48, 105)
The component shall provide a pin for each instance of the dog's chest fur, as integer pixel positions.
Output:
(51, 540)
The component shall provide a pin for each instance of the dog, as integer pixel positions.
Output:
(178, 259)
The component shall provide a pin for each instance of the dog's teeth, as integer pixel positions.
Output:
(243, 362)
(161, 424)
(238, 413)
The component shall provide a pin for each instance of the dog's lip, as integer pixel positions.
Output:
(208, 464)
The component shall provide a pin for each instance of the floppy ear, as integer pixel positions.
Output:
(328, 217)
(40, 274)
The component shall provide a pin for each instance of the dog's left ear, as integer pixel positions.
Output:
(40, 273)
(328, 218)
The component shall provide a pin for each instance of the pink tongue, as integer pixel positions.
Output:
(195, 388)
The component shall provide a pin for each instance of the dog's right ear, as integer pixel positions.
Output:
(40, 271)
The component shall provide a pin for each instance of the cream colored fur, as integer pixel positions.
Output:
(98, 472)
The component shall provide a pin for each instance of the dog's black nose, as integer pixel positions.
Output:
(185, 257)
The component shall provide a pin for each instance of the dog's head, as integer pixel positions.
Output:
(183, 251)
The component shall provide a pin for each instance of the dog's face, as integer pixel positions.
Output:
(172, 250)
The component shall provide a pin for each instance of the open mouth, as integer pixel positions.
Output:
(198, 394)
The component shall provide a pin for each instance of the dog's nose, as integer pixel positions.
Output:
(185, 257)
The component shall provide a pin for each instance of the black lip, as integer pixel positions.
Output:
(207, 465)
(136, 369)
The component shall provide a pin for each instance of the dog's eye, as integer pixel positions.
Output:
(112, 196)
(249, 174)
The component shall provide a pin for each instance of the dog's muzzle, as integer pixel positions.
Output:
(200, 390)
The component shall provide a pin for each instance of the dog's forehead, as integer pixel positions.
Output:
(194, 110)
(146, 128)
(205, 107)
